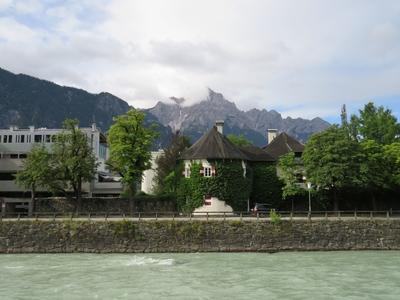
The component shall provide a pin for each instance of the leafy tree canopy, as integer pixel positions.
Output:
(332, 160)
(35, 171)
(73, 159)
(375, 123)
(130, 144)
(290, 171)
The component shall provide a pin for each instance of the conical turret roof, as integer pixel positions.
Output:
(214, 145)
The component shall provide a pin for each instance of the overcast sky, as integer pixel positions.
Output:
(301, 58)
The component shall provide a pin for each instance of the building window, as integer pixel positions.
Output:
(22, 138)
(13, 156)
(10, 138)
(53, 138)
(207, 172)
(23, 156)
(38, 138)
(7, 176)
(48, 138)
(5, 139)
(187, 172)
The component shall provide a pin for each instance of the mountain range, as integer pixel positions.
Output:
(194, 120)
(26, 100)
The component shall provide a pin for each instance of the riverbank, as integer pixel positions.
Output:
(123, 236)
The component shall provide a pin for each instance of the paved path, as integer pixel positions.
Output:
(186, 219)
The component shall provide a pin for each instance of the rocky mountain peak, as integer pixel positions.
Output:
(195, 119)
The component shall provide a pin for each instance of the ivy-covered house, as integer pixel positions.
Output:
(219, 176)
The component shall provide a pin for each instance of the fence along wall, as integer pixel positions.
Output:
(196, 236)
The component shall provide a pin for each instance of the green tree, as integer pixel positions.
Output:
(375, 170)
(35, 171)
(332, 161)
(130, 144)
(238, 140)
(291, 171)
(169, 170)
(392, 156)
(73, 160)
(375, 123)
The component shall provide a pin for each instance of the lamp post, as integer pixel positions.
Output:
(309, 196)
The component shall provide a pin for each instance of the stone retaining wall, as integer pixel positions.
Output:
(193, 236)
(111, 205)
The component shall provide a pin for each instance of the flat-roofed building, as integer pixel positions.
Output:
(16, 143)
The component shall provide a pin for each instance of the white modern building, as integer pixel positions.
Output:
(16, 143)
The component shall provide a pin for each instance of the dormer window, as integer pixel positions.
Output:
(207, 172)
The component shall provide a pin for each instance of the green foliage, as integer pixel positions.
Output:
(267, 187)
(375, 123)
(375, 169)
(73, 160)
(274, 217)
(70, 164)
(332, 161)
(291, 170)
(35, 170)
(228, 185)
(238, 140)
(391, 154)
(130, 143)
(169, 170)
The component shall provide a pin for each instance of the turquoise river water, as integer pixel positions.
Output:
(286, 275)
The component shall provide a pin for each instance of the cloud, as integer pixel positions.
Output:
(303, 58)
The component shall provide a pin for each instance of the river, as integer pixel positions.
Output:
(286, 275)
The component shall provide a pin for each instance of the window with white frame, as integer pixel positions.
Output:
(207, 171)
(187, 172)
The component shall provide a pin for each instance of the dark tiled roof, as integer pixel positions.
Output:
(283, 144)
(256, 154)
(213, 145)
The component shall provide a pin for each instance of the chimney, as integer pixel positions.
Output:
(94, 127)
(271, 134)
(220, 126)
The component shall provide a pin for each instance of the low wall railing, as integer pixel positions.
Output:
(236, 215)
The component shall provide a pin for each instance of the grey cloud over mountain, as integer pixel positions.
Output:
(303, 58)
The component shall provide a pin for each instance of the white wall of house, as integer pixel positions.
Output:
(213, 205)
(148, 184)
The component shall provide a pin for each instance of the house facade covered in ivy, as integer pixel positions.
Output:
(220, 176)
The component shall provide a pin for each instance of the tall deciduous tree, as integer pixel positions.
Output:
(167, 174)
(375, 173)
(392, 156)
(130, 144)
(291, 171)
(375, 123)
(73, 159)
(332, 161)
(35, 171)
(70, 163)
